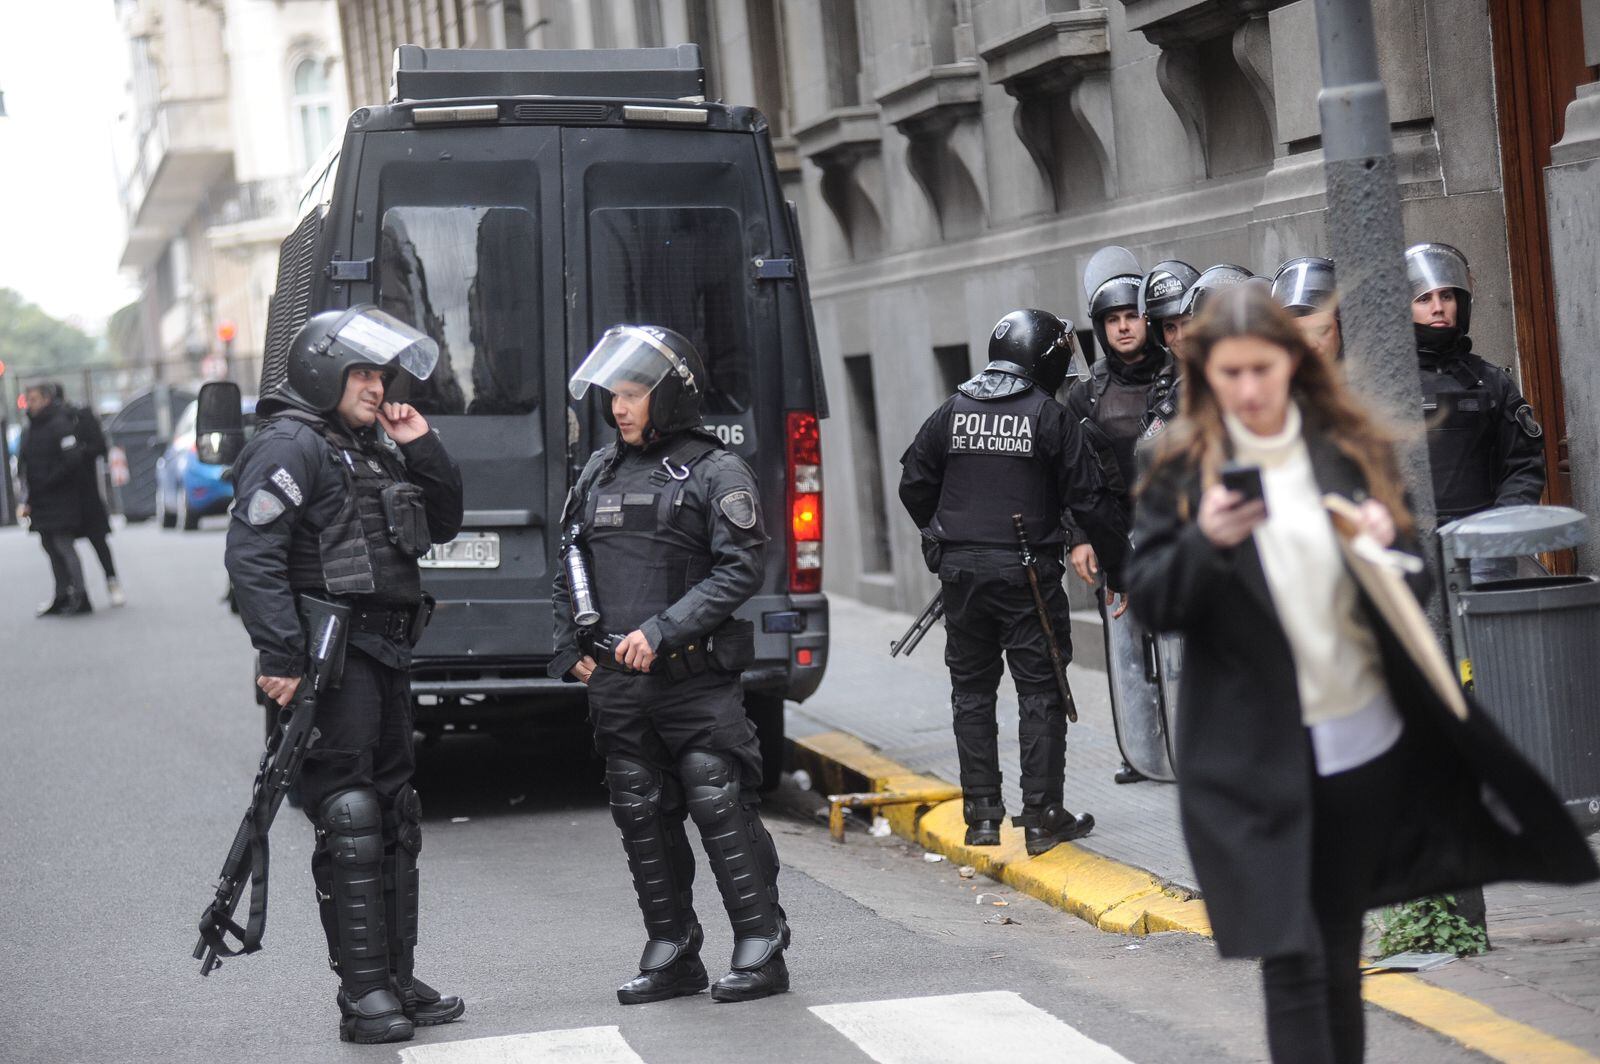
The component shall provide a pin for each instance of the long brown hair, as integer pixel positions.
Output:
(1198, 439)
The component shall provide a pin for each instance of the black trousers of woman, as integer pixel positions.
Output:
(1314, 1009)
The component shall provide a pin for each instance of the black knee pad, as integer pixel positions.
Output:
(403, 822)
(1040, 712)
(353, 823)
(710, 784)
(638, 792)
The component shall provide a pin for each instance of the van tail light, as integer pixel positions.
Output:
(803, 445)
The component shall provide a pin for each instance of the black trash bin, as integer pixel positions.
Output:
(1530, 647)
(142, 429)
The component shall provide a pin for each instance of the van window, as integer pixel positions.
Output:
(684, 268)
(469, 278)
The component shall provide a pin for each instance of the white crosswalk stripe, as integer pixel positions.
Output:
(580, 1045)
(961, 1028)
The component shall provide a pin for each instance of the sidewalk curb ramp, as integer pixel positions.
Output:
(1117, 897)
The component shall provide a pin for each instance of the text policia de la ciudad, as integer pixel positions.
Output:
(991, 434)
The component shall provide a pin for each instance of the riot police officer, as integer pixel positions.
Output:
(1133, 376)
(1306, 287)
(329, 505)
(1484, 443)
(1002, 445)
(670, 525)
(1161, 295)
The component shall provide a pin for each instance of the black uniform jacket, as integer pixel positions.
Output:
(737, 564)
(290, 460)
(1476, 811)
(1088, 501)
(50, 456)
(1486, 458)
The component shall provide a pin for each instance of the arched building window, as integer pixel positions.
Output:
(312, 107)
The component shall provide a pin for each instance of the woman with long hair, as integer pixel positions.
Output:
(1319, 773)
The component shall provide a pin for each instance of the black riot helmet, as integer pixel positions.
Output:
(1213, 278)
(662, 362)
(334, 342)
(1305, 285)
(1162, 290)
(1034, 344)
(1433, 266)
(1111, 281)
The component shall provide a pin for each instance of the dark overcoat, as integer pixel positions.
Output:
(95, 520)
(49, 457)
(1475, 810)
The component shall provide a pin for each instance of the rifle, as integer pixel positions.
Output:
(1057, 666)
(326, 627)
(932, 612)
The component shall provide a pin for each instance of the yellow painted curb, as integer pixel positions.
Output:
(1106, 893)
(1116, 897)
(1466, 1021)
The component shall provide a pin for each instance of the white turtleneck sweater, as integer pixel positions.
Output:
(1343, 698)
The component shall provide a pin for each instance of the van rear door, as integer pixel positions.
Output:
(485, 281)
(662, 227)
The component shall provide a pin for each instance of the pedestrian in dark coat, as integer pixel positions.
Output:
(96, 524)
(49, 457)
(1320, 774)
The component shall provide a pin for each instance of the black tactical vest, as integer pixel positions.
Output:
(644, 554)
(1120, 412)
(355, 555)
(1463, 419)
(995, 467)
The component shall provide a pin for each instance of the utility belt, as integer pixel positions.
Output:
(728, 649)
(402, 624)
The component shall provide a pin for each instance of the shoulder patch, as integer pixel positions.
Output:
(264, 508)
(739, 507)
(1529, 424)
(286, 484)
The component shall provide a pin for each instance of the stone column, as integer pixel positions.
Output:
(1570, 183)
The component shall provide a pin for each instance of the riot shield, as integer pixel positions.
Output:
(1136, 702)
(1168, 654)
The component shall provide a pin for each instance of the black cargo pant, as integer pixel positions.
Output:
(655, 720)
(365, 735)
(989, 612)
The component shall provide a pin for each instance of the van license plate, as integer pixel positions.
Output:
(469, 550)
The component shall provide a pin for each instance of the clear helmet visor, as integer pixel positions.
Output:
(624, 355)
(1433, 266)
(384, 340)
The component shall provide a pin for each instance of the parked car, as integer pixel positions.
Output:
(188, 489)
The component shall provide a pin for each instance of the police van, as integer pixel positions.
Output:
(513, 205)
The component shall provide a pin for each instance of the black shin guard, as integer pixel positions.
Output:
(350, 825)
(402, 845)
(648, 809)
(1042, 733)
(741, 855)
(977, 742)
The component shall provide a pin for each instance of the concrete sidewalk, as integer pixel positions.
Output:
(1535, 996)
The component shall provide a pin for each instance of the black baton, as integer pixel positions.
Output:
(1057, 666)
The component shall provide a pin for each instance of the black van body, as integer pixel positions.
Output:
(514, 229)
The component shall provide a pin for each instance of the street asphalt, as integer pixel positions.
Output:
(131, 740)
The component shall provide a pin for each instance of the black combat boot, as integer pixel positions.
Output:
(347, 868)
(402, 843)
(1044, 829)
(647, 806)
(742, 857)
(667, 970)
(1128, 774)
(983, 816)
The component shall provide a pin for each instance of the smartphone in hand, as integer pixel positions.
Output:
(1245, 480)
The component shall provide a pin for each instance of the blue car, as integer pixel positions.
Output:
(188, 489)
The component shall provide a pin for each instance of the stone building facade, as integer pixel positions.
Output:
(232, 103)
(955, 159)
